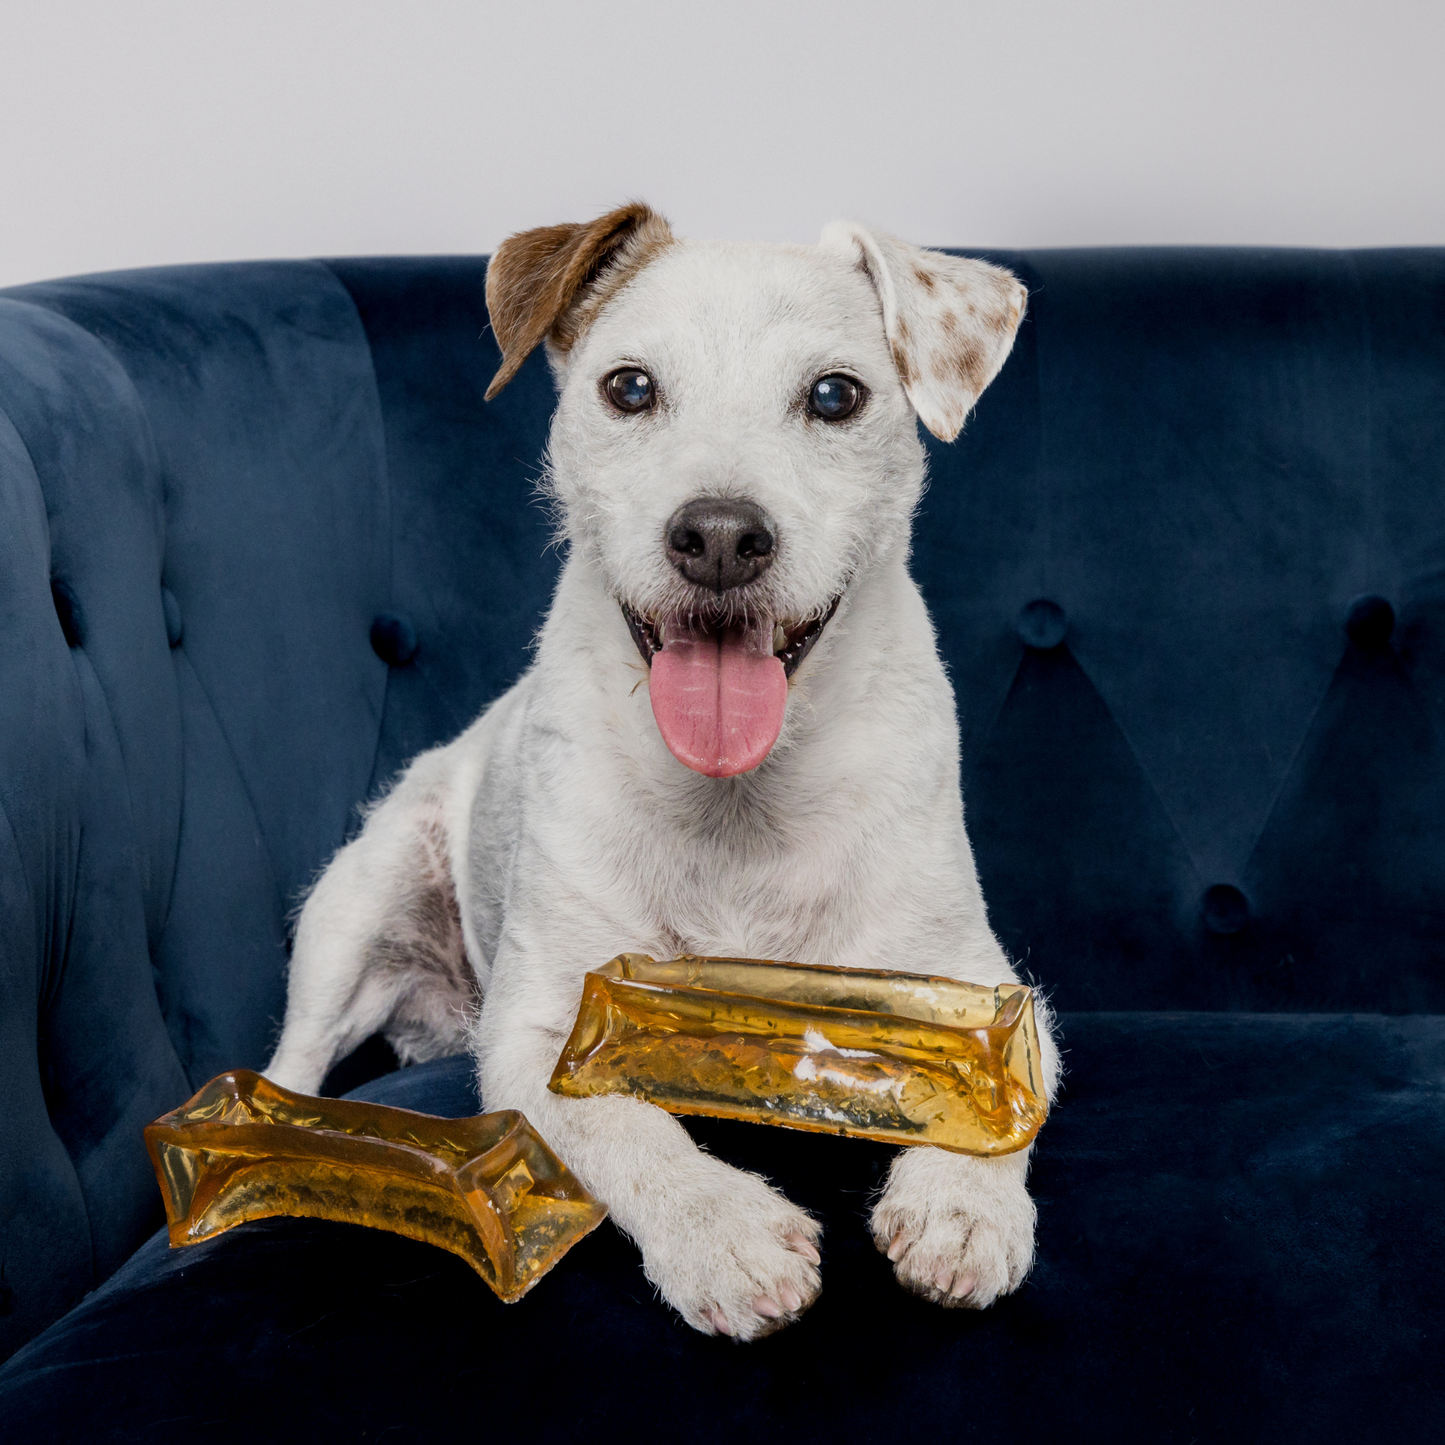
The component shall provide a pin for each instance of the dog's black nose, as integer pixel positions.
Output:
(718, 543)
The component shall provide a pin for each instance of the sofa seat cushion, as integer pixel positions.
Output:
(1241, 1236)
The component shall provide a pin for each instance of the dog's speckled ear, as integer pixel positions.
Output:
(949, 321)
(547, 284)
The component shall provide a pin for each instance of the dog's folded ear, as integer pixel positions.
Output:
(548, 283)
(950, 321)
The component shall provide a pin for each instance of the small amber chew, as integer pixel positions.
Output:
(901, 1057)
(487, 1188)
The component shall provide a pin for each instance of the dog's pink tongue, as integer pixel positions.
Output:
(719, 699)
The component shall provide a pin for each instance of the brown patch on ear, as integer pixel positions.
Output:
(537, 280)
(898, 345)
(1000, 324)
(965, 368)
(900, 360)
(961, 362)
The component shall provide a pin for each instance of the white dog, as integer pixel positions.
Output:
(736, 737)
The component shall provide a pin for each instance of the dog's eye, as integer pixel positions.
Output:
(834, 398)
(630, 390)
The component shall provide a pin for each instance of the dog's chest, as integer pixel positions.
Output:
(786, 899)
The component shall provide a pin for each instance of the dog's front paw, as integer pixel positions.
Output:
(731, 1254)
(959, 1230)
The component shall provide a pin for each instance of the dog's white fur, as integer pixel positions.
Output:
(558, 830)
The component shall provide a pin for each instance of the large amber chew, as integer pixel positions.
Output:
(487, 1188)
(906, 1058)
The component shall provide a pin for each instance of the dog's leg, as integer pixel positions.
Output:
(724, 1247)
(379, 946)
(960, 1229)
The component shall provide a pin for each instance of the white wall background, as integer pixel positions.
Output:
(145, 132)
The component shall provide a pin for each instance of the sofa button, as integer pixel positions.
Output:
(1225, 909)
(393, 639)
(175, 628)
(1042, 624)
(1369, 622)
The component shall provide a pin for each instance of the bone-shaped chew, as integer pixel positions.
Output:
(906, 1058)
(487, 1188)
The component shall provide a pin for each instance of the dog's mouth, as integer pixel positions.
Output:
(719, 684)
(791, 642)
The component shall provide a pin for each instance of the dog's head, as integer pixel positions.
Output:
(734, 444)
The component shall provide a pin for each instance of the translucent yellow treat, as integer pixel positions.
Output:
(486, 1188)
(906, 1058)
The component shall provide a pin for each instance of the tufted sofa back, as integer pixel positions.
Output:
(261, 541)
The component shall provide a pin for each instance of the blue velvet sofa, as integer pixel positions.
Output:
(261, 540)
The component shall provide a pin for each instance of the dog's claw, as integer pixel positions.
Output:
(944, 1280)
(897, 1248)
(792, 1300)
(768, 1308)
(800, 1244)
(963, 1286)
(719, 1322)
